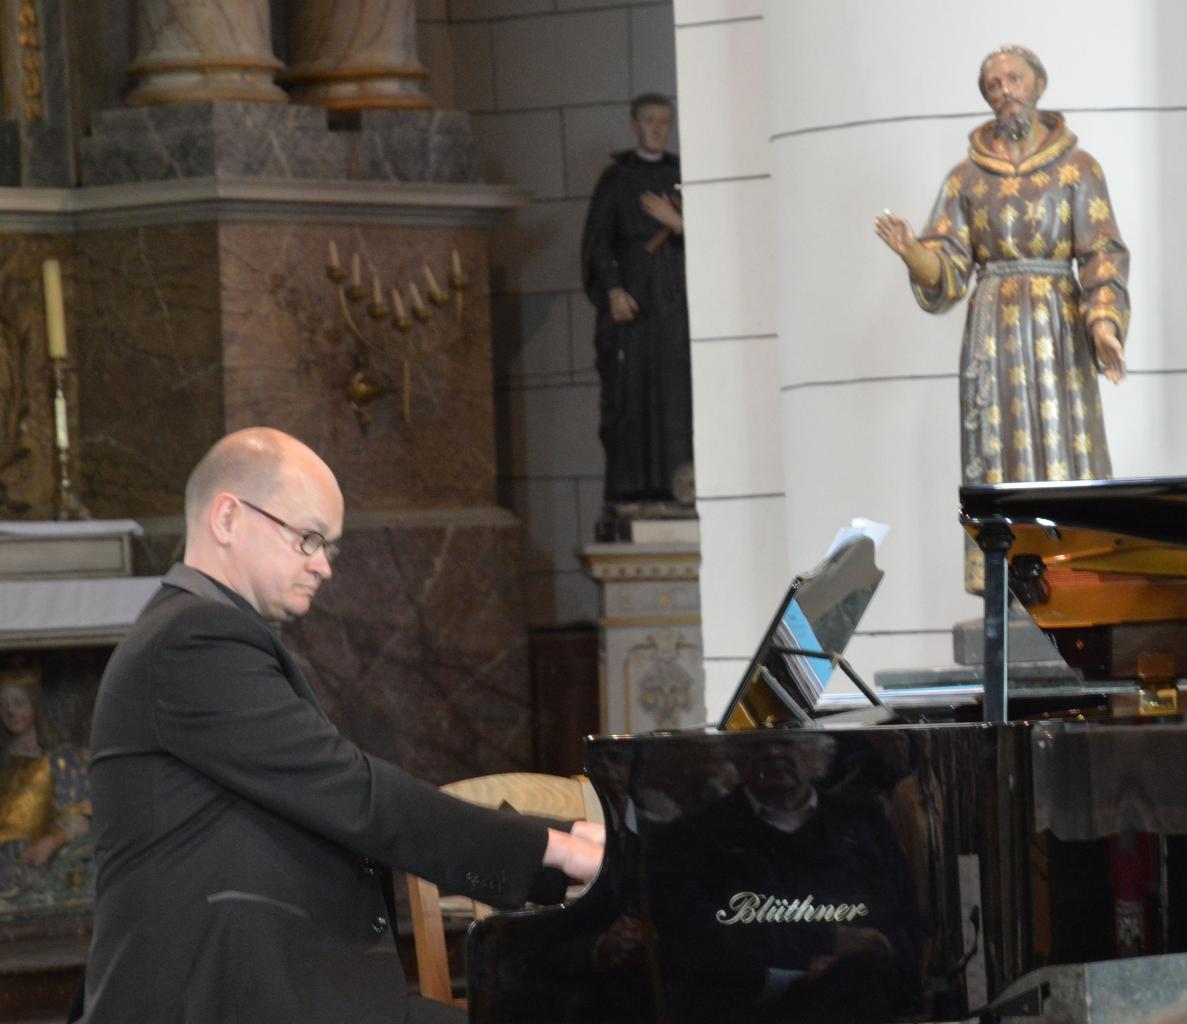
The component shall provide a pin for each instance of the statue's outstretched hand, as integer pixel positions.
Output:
(922, 264)
(894, 231)
(1110, 356)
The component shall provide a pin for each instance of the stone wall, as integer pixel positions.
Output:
(547, 84)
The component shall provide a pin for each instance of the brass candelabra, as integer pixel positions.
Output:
(368, 383)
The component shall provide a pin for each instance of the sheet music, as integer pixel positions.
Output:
(859, 527)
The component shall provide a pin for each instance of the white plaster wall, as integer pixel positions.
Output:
(732, 282)
(548, 85)
(800, 121)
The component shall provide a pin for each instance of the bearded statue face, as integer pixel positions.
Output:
(1012, 88)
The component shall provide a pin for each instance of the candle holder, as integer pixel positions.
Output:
(70, 506)
(459, 282)
(436, 296)
(407, 323)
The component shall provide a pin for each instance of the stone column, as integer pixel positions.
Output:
(196, 50)
(355, 55)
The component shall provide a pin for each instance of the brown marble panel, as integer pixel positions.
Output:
(417, 648)
(289, 357)
(147, 326)
(29, 480)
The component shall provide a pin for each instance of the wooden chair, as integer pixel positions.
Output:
(551, 796)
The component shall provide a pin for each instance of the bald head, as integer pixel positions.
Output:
(248, 505)
(247, 462)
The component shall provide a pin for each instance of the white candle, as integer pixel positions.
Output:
(376, 290)
(398, 305)
(61, 435)
(334, 254)
(417, 302)
(434, 289)
(457, 265)
(55, 313)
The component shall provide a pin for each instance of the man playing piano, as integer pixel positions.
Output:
(240, 839)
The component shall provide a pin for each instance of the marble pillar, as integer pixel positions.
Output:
(417, 648)
(194, 50)
(355, 55)
(207, 327)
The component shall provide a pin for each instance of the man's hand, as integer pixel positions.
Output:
(662, 209)
(591, 831)
(1110, 356)
(40, 850)
(573, 853)
(623, 307)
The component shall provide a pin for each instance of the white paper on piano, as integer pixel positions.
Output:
(859, 527)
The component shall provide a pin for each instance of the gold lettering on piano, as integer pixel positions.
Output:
(756, 908)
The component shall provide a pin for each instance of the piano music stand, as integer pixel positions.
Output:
(820, 609)
(837, 661)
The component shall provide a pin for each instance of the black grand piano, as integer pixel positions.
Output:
(796, 865)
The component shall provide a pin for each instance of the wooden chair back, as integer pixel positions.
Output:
(551, 796)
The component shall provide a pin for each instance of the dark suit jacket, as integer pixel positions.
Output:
(239, 837)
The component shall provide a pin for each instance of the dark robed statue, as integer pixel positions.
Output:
(1029, 214)
(632, 256)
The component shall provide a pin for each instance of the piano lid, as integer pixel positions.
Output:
(819, 612)
(1100, 565)
(1152, 508)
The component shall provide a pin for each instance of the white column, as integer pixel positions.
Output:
(194, 50)
(721, 64)
(355, 54)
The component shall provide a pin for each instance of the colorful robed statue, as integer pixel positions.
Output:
(1028, 213)
(44, 805)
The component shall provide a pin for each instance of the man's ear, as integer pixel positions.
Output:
(225, 514)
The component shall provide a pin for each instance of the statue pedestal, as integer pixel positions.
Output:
(1027, 642)
(649, 634)
(648, 522)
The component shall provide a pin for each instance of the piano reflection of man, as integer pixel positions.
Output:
(794, 895)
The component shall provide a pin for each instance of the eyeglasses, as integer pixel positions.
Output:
(309, 542)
